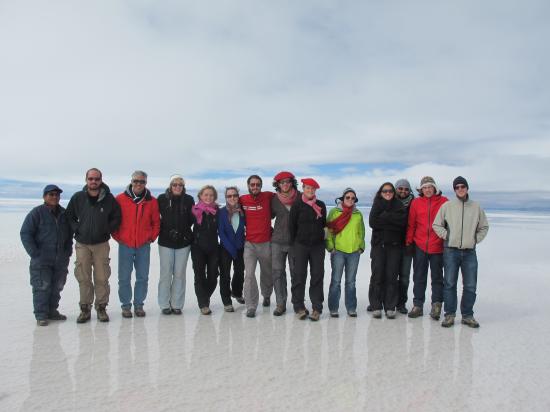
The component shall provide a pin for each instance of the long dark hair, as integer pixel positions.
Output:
(379, 192)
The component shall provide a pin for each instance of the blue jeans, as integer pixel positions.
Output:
(466, 260)
(128, 258)
(339, 261)
(173, 265)
(422, 261)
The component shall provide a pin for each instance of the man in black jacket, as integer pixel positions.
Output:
(93, 214)
(47, 238)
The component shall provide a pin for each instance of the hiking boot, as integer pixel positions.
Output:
(251, 313)
(352, 314)
(470, 321)
(416, 312)
(239, 299)
(448, 321)
(176, 311)
(229, 308)
(266, 302)
(435, 313)
(302, 314)
(402, 309)
(165, 311)
(206, 310)
(102, 313)
(390, 314)
(42, 322)
(377, 314)
(55, 315)
(279, 310)
(335, 314)
(369, 308)
(127, 313)
(85, 314)
(139, 312)
(315, 315)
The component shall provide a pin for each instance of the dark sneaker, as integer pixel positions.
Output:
(402, 309)
(377, 314)
(176, 311)
(56, 316)
(229, 308)
(85, 314)
(42, 322)
(416, 312)
(470, 321)
(266, 302)
(279, 310)
(302, 314)
(251, 313)
(352, 314)
(239, 299)
(102, 313)
(448, 321)
(435, 313)
(369, 308)
(390, 314)
(127, 313)
(165, 311)
(315, 315)
(336, 314)
(206, 310)
(140, 313)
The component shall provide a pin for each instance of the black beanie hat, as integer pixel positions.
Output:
(460, 180)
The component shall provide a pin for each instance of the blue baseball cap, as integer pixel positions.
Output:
(52, 188)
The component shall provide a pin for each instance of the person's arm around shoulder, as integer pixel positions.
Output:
(155, 219)
(482, 226)
(411, 224)
(330, 240)
(439, 222)
(115, 217)
(28, 233)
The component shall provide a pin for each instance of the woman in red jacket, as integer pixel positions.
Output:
(428, 247)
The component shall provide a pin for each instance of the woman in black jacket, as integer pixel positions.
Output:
(388, 220)
(204, 250)
(307, 221)
(174, 242)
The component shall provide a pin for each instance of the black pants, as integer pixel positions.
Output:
(205, 266)
(47, 282)
(385, 266)
(228, 285)
(315, 256)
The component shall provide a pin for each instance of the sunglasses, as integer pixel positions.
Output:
(458, 187)
(176, 185)
(255, 184)
(403, 189)
(230, 196)
(349, 197)
(285, 181)
(139, 182)
(387, 191)
(94, 179)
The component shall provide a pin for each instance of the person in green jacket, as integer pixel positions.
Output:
(345, 242)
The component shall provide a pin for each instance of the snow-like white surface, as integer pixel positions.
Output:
(227, 362)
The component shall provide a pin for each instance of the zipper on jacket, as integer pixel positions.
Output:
(462, 226)
(429, 214)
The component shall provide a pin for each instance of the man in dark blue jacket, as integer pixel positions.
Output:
(47, 238)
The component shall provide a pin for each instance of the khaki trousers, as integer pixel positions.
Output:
(96, 257)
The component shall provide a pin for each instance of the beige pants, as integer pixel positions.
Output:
(96, 256)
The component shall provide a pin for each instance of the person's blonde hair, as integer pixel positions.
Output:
(206, 187)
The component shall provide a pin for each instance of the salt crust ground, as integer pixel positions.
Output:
(227, 362)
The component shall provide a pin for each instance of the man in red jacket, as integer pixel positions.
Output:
(257, 247)
(428, 247)
(139, 228)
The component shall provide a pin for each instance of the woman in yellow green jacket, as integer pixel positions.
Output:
(345, 242)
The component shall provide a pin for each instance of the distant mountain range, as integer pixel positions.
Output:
(528, 201)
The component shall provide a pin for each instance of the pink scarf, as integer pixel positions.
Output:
(201, 207)
(289, 199)
(312, 203)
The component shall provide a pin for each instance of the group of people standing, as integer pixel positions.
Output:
(229, 242)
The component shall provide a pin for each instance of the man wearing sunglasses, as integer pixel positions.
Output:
(139, 228)
(462, 224)
(93, 214)
(47, 238)
(257, 247)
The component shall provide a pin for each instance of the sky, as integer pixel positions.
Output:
(350, 93)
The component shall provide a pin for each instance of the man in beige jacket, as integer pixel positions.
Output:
(462, 224)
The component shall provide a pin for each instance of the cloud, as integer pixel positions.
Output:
(217, 93)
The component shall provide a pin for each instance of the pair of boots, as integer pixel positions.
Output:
(85, 313)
